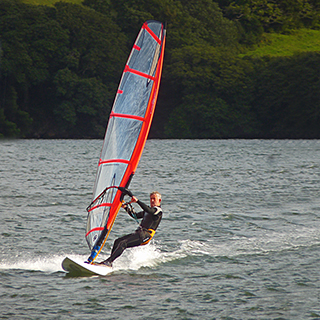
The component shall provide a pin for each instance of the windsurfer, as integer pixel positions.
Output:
(151, 217)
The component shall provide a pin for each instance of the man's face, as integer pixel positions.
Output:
(155, 200)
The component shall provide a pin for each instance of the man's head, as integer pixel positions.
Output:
(155, 199)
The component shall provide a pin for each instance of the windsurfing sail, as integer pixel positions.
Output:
(127, 131)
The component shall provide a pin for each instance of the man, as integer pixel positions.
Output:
(151, 217)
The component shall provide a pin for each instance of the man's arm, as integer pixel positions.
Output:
(132, 213)
(143, 206)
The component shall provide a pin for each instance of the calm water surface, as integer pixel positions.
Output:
(240, 238)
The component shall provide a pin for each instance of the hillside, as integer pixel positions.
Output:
(271, 44)
(248, 70)
(278, 45)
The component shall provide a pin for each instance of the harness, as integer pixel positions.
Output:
(151, 232)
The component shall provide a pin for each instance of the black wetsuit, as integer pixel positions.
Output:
(151, 218)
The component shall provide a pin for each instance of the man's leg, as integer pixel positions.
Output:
(121, 244)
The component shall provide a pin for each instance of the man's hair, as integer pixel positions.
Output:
(156, 193)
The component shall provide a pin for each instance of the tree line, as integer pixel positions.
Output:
(60, 67)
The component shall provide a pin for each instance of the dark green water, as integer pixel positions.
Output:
(240, 238)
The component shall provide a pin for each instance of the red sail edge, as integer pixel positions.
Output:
(141, 141)
(137, 153)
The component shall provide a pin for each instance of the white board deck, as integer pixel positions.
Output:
(84, 269)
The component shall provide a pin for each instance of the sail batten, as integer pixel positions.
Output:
(127, 131)
(94, 229)
(98, 206)
(113, 161)
(138, 73)
(145, 26)
(128, 116)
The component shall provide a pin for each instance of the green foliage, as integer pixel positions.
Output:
(8, 128)
(280, 45)
(83, 100)
(203, 117)
(232, 68)
(287, 97)
(95, 40)
(214, 92)
(38, 44)
(49, 2)
(258, 16)
(189, 22)
(29, 42)
(20, 121)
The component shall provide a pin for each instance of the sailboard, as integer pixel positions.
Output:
(80, 268)
(127, 131)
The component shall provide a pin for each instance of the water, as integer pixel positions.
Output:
(240, 237)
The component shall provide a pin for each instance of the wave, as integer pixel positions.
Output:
(44, 264)
(132, 259)
(156, 253)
